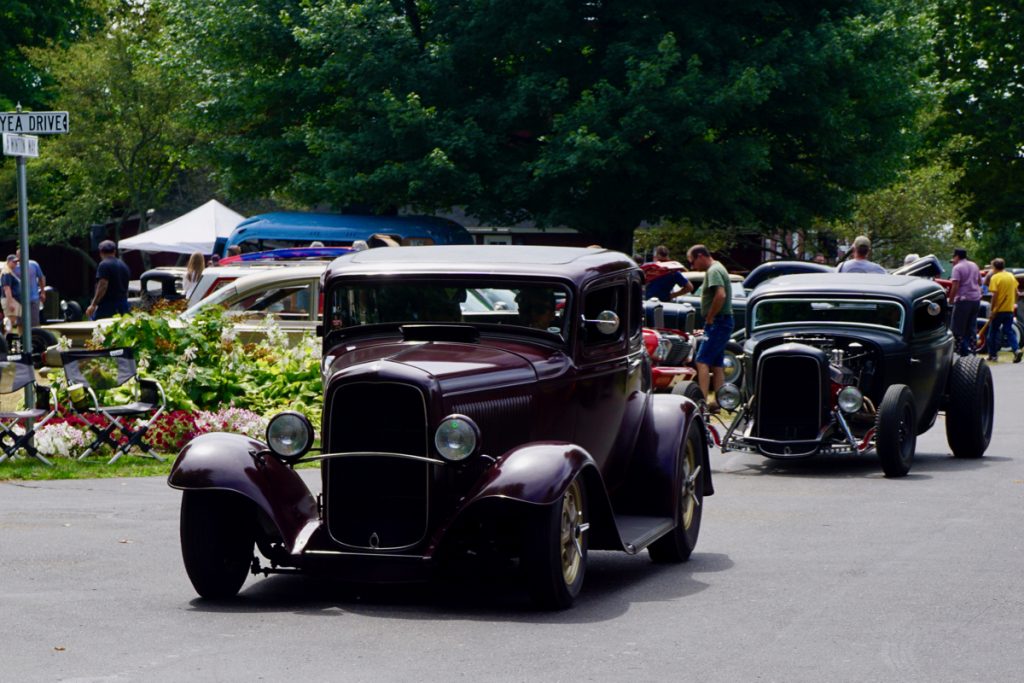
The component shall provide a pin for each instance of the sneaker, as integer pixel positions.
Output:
(1017, 355)
(714, 408)
(992, 359)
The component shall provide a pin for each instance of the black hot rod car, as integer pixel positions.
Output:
(854, 363)
(479, 401)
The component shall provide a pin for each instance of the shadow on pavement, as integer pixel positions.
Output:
(865, 466)
(614, 581)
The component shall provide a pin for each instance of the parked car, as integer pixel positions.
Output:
(290, 296)
(854, 364)
(452, 434)
(772, 269)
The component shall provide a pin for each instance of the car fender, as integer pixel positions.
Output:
(232, 462)
(653, 489)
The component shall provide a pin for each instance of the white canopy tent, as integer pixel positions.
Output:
(197, 230)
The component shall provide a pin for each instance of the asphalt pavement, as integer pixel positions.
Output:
(821, 570)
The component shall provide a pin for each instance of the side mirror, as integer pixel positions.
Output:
(607, 322)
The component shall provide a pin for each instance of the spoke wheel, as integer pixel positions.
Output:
(679, 544)
(555, 555)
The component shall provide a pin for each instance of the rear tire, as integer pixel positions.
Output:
(218, 533)
(555, 550)
(969, 407)
(677, 545)
(896, 431)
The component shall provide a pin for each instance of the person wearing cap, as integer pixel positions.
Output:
(36, 286)
(11, 292)
(112, 277)
(965, 297)
(860, 263)
(1003, 286)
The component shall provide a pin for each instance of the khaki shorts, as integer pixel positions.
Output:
(12, 309)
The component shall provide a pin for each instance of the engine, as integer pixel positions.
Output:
(851, 361)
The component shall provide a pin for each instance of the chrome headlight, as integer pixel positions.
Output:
(289, 435)
(728, 396)
(456, 438)
(850, 399)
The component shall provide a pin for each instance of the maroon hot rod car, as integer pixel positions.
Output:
(478, 401)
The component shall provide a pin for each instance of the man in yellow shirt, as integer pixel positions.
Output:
(1003, 287)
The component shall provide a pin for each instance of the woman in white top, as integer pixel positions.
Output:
(193, 272)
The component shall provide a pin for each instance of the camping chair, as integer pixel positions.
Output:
(89, 371)
(17, 372)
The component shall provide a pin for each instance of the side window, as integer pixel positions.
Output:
(926, 323)
(636, 308)
(612, 298)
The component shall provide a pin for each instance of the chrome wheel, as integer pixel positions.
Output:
(691, 471)
(573, 526)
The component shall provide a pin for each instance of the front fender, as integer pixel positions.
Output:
(232, 462)
(536, 473)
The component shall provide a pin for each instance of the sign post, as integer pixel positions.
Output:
(19, 130)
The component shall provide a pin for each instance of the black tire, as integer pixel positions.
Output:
(4, 348)
(896, 430)
(733, 368)
(677, 545)
(218, 533)
(690, 390)
(73, 312)
(555, 550)
(970, 406)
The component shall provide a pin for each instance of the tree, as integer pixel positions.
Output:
(591, 114)
(980, 64)
(126, 146)
(34, 23)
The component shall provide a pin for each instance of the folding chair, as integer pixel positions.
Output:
(90, 371)
(17, 372)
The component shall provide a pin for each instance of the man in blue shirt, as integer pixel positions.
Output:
(661, 288)
(112, 276)
(36, 284)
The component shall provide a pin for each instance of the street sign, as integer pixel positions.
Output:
(21, 145)
(34, 122)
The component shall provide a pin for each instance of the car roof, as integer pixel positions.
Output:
(903, 287)
(576, 263)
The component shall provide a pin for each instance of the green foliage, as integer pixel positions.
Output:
(980, 63)
(202, 367)
(594, 115)
(679, 238)
(124, 150)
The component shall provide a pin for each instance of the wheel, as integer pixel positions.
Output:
(969, 407)
(896, 433)
(72, 312)
(218, 533)
(555, 554)
(678, 544)
(690, 390)
(732, 367)
(4, 348)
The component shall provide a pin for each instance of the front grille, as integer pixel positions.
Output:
(501, 421)
(680, 351)
(377, 502)
(789, 391)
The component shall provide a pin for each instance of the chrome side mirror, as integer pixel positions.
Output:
(607, 322)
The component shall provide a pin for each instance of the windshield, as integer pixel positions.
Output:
(861, 312)
(538, 306)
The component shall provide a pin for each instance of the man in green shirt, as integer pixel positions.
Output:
(716, 307)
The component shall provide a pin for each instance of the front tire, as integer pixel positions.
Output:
(677, 545)
(969, 408)
(690, 390)
(896, 431)
(218, 533)
(555, 554)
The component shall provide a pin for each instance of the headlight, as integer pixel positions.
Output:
(850, 399)
(728, 396)
(456, 438)
(289, 435)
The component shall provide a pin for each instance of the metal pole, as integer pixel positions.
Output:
(23, 265)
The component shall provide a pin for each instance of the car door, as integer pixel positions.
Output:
(931, 355)
(293, 305)
(609, 390)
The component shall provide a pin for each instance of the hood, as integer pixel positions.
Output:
(455, 366)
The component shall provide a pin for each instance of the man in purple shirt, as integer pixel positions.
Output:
(965, 296)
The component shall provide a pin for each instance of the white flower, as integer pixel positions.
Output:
(97, 336)
(190, 353)
(64, 343)
(190, 374)
(60, 440)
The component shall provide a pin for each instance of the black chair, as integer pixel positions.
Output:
(90, 371)
(17, 372)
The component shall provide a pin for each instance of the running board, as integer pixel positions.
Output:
(639, 532)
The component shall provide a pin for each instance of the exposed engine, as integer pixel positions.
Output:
(851, 362)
